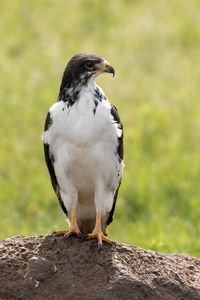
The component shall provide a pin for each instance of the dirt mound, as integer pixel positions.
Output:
(48, 267)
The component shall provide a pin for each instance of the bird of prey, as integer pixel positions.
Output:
(83, 146)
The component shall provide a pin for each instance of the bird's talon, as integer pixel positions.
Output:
(59, 232)
(100, 237)
(72, 232)
(68, 232)
(100, 245)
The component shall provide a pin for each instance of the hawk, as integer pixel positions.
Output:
(83, 147)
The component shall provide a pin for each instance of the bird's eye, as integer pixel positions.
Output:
(89, 65)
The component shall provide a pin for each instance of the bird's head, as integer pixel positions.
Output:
(84, 67)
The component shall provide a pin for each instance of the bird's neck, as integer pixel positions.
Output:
(71, 91)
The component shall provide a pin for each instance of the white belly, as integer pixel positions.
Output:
(86, 166)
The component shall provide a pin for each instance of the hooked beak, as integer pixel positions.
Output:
(109, 69)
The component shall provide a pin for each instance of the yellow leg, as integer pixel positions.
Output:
(73, 227)
(97, 232)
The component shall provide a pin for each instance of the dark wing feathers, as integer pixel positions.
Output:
(120, 151)
(116, 118)
(49, 162)
(110, 216)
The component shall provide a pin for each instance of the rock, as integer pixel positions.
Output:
(56, 268)
(39, 268)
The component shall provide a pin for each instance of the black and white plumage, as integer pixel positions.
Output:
(83, 146)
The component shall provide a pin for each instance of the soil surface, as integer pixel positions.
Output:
(49, 267)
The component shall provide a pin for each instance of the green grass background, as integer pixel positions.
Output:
(155, 49)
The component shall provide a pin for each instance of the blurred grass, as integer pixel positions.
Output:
(155, 48)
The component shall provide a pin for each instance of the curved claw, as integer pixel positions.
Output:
(72, 232)
(100, 245)
(68, 232)
(60, 232)
(100, 237)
